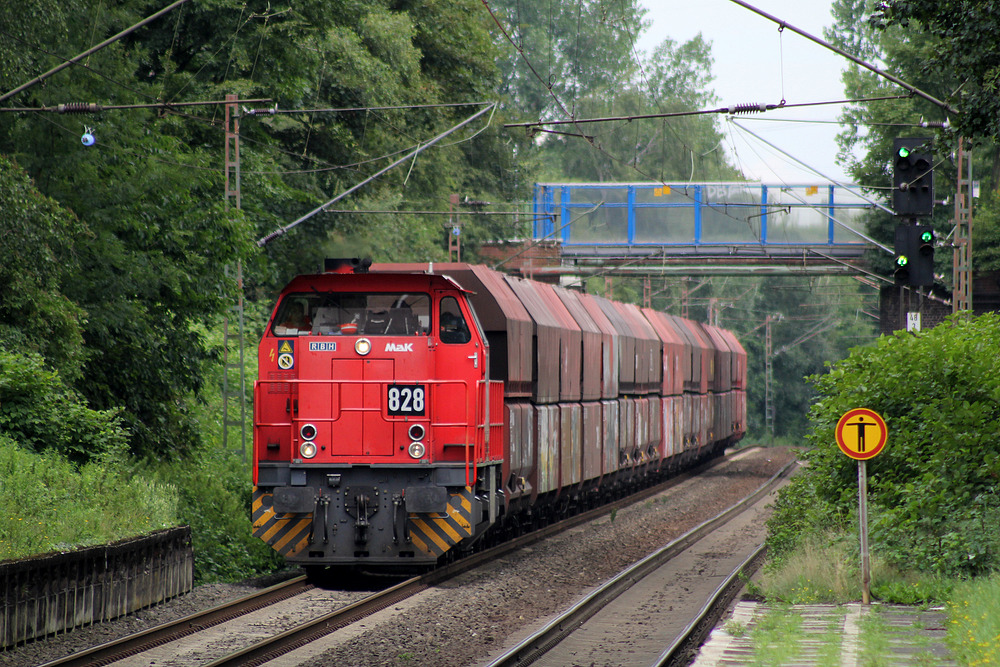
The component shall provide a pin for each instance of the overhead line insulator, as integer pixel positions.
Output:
(750, 108)
(79, 107)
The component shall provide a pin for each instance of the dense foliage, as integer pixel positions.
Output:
(39, 412)
(933, 492)
(134, 233)
(50, 504)
(958, 31)
(37, 239)
(553, 69)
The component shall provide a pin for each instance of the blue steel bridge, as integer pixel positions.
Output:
(703, 228)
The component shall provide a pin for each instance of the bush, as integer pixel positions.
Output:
(933, 490)
(51, 504)
(39, 412)
(215, 490)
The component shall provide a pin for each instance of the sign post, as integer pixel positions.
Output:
(861, 434)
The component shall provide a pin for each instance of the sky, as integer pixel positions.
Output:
(754, 63)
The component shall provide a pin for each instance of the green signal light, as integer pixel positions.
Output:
(902, 261)
(927, 237)
(904, 151)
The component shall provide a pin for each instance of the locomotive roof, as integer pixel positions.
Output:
(381, 280)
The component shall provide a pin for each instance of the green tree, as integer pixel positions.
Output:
(555, 54)
(958, 31)
(37, 242)
(150, 192)
(814, 321)
(676, 78)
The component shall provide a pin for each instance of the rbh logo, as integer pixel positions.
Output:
(399, 347)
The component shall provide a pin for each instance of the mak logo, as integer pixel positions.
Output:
(399, 347)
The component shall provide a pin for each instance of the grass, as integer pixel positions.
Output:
(874, 640)
(774, 638)
(825, 570)
(974, 622)
(781, 635)
(50, 504)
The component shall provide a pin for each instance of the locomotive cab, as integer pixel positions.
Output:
(372, 422)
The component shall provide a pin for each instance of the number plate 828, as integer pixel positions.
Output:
(406, 399)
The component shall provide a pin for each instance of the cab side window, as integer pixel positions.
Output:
(293, 317)
(453, 328)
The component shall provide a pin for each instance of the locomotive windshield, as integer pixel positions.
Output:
(347, 314)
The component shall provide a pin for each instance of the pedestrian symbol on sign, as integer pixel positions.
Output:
(861, 433)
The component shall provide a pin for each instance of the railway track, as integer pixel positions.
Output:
(595, 630)
(140, 642)
(346, 612)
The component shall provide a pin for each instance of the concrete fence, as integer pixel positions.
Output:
(58, 592)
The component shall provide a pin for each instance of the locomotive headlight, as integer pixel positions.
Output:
(363, 346)
(417, 450)
(307, 449)
(308, 432)
(417, 432)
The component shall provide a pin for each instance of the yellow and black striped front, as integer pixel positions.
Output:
(288, 534)
(436, 533)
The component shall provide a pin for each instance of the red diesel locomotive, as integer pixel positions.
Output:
(403, 412)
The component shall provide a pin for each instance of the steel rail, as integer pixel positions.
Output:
(115, 650)
(533, 647)
(686, 644)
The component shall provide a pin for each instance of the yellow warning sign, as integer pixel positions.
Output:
(286, 355)
(861, 433)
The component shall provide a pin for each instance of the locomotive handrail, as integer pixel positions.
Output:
(475, 441)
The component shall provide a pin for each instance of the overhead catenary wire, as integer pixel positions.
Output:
(417, 212)
(854, 59)
(733, 109)
(412, 154)
(93, 107)
(111, 40)
(71, 108)
(832, 180)
(84, 65)
(925, 124)
(274, 111)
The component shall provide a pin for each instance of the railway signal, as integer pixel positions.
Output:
(913, 263)
(922, 272)
(912, 177)
(901, 261)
